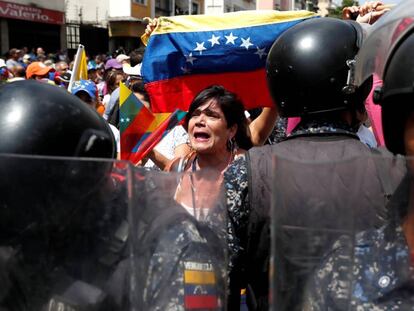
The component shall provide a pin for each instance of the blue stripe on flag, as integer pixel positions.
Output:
(229, 50)
(199, 289)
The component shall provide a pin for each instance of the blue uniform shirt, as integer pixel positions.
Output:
(381, 278)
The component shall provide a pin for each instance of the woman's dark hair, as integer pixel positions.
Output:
(138, 86)
(232, 108)
(135, 57)
(110, 80)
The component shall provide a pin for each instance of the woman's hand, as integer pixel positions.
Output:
(370, 12)
(350, 12)
(152, 24)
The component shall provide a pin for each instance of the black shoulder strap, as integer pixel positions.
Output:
(383, 174)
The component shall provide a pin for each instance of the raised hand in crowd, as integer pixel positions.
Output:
(368, 13)
(152, 23)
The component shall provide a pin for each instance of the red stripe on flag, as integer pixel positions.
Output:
(201, 302)
(168, 95)
(135, 130)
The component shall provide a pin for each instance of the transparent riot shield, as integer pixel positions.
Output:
(383, 37)
(178, 240)
(63, 232)
(323, 216)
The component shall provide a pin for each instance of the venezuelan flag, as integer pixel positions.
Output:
(134, 121)
(200, 290)
(185, 54)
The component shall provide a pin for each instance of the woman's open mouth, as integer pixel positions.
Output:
(201, 136)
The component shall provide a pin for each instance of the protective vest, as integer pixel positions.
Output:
(377, 184)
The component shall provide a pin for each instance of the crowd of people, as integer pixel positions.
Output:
(251, 215)
(105, 73)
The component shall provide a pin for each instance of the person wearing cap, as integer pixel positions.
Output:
(112, 64)
(38, 71)
(132, 71)
(12, 62)
(122, 59)
(86, 90)
(93, 72)
(63, 79)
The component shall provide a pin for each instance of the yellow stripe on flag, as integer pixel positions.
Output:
(124, 93)
(82, 73)
(159, 118)
(233, 20)
(199, 277)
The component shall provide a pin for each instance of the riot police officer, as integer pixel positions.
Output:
(60, 218)
(64, 225)
(178, 260)
(386, 53)
(310, 73)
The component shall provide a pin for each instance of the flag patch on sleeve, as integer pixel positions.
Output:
(200, 286)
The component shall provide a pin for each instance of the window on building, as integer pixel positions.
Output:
(143, 2)
(162, 7)
(72, 36)
(194, 9)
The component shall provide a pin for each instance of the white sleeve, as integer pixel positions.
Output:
(180, 136)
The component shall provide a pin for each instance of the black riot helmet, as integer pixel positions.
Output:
(41, 119)
(397, 94)
(310, 68)
(388, 54)
(50, 140)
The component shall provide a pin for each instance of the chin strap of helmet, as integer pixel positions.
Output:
(350, 87)
(95, 144)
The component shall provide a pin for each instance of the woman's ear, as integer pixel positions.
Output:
(233, 131)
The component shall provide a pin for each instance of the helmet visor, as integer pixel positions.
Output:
(383, 37)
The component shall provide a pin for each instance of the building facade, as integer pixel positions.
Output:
(126, 18)
(213, 7)
(86, 23)
(319, 6)
(32, 24)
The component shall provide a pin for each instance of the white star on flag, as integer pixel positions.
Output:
(261, 52)
(214, 40)
(127, 119)
(122, 119)
(231, 38)
(200, 47)
(246, 43)
(189, 58)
